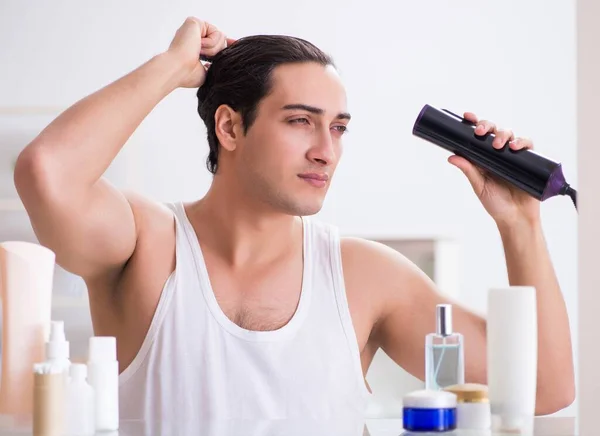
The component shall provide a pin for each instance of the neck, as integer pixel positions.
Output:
(241, 231)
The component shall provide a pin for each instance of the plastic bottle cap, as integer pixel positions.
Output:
(57, 331)
(102, 348)
(429, 399)
(57, 346)
(469, 392)
(78, 371)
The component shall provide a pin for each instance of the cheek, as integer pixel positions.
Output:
(339, 148)
(277, 147)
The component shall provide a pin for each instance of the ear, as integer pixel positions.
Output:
(228, 127)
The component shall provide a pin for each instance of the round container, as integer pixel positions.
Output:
(429, 411)
(473, 406)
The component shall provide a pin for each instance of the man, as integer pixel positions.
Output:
(236, 305)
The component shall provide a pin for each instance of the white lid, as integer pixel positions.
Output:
(429, 399)
(57, 346)
(102, 348)
(78, 371)
(47, 368)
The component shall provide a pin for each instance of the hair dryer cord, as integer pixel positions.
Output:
(573, 194)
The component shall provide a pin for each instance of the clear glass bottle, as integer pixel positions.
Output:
(444, 353)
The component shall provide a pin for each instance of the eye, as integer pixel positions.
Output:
(341, 129)
(299, 121)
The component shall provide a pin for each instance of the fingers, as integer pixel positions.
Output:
(483, 127)
(470, 116)
(212, 39)
(521, 143)
(213, 43)
(502, 136)
(194, 21)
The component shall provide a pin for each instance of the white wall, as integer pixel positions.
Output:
(588, 74)
(500, 59)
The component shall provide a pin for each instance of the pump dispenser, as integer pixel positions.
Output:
(57, 347)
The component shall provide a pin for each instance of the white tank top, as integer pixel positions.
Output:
(196, 363)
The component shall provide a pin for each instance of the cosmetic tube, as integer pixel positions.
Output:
(512, 357)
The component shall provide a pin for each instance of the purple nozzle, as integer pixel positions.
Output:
(556, 183)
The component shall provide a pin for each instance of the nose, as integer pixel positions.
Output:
(323, 151)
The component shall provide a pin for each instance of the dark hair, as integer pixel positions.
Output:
(240, 77)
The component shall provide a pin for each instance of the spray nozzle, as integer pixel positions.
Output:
(444, 319)
(57, 346)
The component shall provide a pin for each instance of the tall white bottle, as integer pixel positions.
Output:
(103, 376)
(512, 357)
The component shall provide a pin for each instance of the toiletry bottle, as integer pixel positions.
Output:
(512, 359)
(472, 407)
(48, 400)
(444, 353)
(26, 274)
(57, 348)
(80, 413)
(103, 376)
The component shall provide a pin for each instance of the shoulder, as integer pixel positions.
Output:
(153, 259)
(375, 258)
(384, 275)
(149, 215)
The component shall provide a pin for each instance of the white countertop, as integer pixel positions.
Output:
(544, 426)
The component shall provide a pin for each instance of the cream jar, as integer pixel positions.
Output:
(472, 406)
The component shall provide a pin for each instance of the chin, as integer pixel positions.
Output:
(305, 208)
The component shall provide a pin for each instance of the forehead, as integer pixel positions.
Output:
(307, 83)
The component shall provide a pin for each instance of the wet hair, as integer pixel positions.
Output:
(240, 76)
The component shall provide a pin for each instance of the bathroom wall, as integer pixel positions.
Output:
(588, 90)
(498, 58)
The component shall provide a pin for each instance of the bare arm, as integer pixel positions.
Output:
(529, 263)
(87, 222)
(517, 216)
(406, 307)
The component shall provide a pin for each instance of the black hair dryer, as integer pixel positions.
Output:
(539, 176)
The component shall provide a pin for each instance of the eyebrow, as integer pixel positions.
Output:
(315, 110)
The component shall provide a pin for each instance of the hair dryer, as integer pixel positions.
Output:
(539, 176)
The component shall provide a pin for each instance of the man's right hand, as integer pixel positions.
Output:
(192, 39)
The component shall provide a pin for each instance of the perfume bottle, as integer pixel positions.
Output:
(444, 353)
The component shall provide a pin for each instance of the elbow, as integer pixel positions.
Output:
(555, 401)
(31, 174)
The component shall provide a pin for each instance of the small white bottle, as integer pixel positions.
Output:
(103, 376)
(80, 419)
(57, 348)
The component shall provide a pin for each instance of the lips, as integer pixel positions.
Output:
(315, 176)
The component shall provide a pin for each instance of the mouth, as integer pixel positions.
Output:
(318, 180)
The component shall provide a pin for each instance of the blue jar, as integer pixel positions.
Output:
(429, 411)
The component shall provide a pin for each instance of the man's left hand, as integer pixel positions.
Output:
(507, 204)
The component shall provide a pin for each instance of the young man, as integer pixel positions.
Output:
(235, 305)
